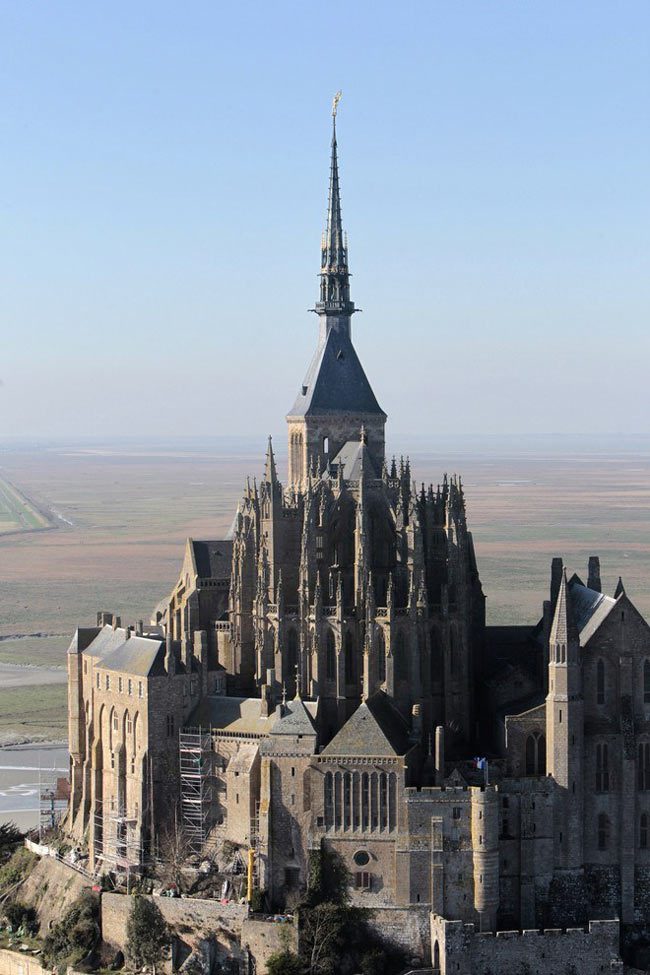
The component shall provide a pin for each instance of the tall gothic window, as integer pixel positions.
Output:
(646, 682)
(643, 766)
(600, 682)
(603, 831)
(436, 657)
(350, 669)
(401, 662)
(643, 831)
(381, 654)
(330, 657)
(602, 767)
(536, 754)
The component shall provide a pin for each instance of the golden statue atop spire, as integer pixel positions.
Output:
(335, 102)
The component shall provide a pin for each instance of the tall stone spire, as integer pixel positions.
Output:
(334, 273)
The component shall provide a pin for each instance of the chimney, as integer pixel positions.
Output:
(593, 574)
(557, 570)
(127, 632)
(139, 629)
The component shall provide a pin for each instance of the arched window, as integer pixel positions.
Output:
(541, 755)
(453, 651)
(330, 656)
(350, 669)
(602, 767)
(643, 766)
(603, 831)
(381, 654)
(401, 663)
(329, 800)
(531, 749)
(643, 831)
(646, 682)
(436, 958)
(436, 657)
(600, 682)
(536, 754)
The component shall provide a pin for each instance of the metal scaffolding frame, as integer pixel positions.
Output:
(195, 754)
(118, 840)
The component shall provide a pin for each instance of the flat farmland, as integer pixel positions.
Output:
(125, 510)
(17, 513)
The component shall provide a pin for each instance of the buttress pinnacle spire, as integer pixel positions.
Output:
(334, 273)
(270, 472)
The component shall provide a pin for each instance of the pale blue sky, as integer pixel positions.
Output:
(163, 175)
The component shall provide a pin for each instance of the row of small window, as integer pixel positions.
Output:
(601, 685)
(120, 684)
(132, 763)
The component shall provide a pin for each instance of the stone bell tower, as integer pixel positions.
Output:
(335, 399)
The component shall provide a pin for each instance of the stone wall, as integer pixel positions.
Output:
(180, 913)
(459, 949)
(263, 938)
(18, 963)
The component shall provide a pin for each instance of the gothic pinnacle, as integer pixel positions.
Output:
(270, 472)
(334, 273)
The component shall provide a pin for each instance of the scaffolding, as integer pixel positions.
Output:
(53, 803)
(195, 752)
(118, 839)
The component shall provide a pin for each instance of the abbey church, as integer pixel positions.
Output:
(324, 678)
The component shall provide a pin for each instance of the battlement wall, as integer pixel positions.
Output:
(459, 948)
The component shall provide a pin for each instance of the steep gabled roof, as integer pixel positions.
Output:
(213, 559)
(590, 609)
(297, 721)
(376, 729)
(335, 381)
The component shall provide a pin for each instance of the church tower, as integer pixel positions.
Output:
(565, 731)
(336, 399)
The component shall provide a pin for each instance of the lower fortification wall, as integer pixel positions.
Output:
(193, 923)
(408, 928)
(459, 949)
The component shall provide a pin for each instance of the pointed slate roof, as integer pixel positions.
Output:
(564, 628)
(376, 729)
(354, 461)
(297, 720)
(335, 381)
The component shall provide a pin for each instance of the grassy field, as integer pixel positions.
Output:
(132, 507)
(33, 713)
(17, 513)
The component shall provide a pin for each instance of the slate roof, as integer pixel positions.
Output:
(590, 609)
(376, 729)
(141, 656)
(213, 558)
(299, 719)
(238, 715)
(354, 458)
(335, 381)
(243, 759)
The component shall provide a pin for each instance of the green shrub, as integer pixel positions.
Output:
(20, 915)
(19, 866)
(284, 963)
(147, 935)
(75, 935)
